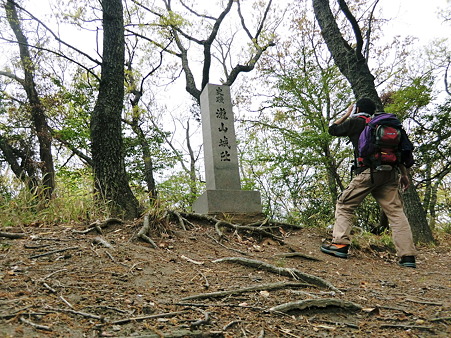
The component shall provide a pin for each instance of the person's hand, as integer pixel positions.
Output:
(345, 116)
(405, 182)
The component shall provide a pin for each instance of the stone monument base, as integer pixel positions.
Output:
(228, 201)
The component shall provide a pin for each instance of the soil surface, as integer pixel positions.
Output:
(56, 282)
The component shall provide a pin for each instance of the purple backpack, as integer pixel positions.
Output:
(384, 141)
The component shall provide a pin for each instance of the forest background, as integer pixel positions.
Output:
(76, 144)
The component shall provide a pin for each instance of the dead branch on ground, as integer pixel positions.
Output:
(37, 326)
(54, 251)
(136, 319)
(298, 254)
(204, 321)
(12, 235)
(231, 249)
(318, 303)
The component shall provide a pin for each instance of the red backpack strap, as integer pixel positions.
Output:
(366, 118)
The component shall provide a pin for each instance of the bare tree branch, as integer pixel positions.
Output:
(355, 27)
(57, 38)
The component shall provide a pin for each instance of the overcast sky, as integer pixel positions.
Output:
(416, 18)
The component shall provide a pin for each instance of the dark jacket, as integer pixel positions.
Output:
(351, 128)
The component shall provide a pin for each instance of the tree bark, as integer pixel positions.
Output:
(111, 180)
(349, 60)
(26, 170)
(354, 67)
(36, 108)
(417, 216)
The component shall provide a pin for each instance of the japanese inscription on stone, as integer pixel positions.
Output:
(221, 159)
(223, 192)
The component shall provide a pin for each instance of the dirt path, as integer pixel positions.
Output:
(57, 283)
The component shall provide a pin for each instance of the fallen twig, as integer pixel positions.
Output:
(271, 286)
(407, 312)
(407, 327)
(207, 285)
(220, 305)
(49, 288)
(54, 251)
(53, 273)
(290, 272)
(135, 319)
(321, 303)
(297, 254)
(354, 326)
(191, 260)
(37, 326)
(83, 314)
(232, 249)
(423, 302)
(229, 325)
(12, 235)
(440, 319)
(114, 260)
(66, 302)
(204, 321)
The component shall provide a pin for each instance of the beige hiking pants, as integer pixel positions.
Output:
(385, 189)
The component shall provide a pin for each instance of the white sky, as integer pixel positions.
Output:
(417, 18)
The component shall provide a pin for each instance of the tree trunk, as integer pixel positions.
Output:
(26, 170)
(417, 216)
(349, 60)
(147, 159)
(354, 67)
(36, 109)
(111, 180)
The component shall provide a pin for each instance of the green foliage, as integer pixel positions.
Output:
(174, 191)
(73, 202)
(409, 99)
(293, 156)
(71, 107)
(364, 240)
(172, 19)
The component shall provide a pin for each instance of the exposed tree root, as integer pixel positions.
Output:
(143, 233)
(289, 272)
(98, 225)
(319, 303)
(184, 223)
(262, 228)
(102, 241)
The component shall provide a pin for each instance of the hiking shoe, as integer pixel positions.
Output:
(339, 250)
(408, 262)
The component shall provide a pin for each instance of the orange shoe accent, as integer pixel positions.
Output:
(339, 245)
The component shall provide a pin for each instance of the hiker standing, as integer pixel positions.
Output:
(375, 176)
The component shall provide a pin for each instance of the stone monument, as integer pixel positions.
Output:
(223, 192)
